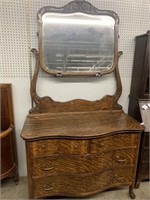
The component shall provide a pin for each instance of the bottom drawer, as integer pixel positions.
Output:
(81, 185)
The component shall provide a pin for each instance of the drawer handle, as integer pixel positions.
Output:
(42, 146)
(48, 168)
(120, 160)
(47, 188)
(119, 178)
(76, 146)
(102, 144)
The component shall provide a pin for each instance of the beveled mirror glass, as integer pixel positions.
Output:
(77, 39)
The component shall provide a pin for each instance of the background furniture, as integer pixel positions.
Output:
(139, 94)
(7, 135)
(80, 147)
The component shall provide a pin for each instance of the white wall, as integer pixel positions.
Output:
(14, 67)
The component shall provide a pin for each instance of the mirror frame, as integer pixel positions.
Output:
(73, 7)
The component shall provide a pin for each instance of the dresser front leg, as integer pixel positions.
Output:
(131, 193)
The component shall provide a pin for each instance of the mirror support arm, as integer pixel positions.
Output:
(118, 80)
(33, 93)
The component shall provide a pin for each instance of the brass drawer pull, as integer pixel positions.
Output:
(76, 146)
(47, 188)
(101, 144)
(119, 178)
(43, 146)
(120, 160)
(48, 168)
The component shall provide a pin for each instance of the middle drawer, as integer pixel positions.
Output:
(81, 164)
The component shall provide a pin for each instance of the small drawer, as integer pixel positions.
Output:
(112, 142)
(58, 146)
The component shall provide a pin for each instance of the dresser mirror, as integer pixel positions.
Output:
(77, 39)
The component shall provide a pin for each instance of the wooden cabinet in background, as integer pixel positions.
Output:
(7, 135)
(140, 92)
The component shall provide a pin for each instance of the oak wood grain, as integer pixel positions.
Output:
(89, 184)
(64, 164)
(78, 125)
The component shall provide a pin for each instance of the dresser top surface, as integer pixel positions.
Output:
(78, 125)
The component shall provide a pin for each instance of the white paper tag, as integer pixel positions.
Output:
(144, 107)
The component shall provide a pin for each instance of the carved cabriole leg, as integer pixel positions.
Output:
(131, 193)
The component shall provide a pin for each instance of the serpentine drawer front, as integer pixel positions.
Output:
(73, 167)
(111, 142)
(63, 162)
(69, 184)
(81, 147)
(54, 146)
(89, 163)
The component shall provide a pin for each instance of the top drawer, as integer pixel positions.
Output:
(58, 146)
(113, 142)
(81, 147)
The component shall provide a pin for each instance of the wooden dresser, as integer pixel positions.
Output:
(79, 147)
(79, 154)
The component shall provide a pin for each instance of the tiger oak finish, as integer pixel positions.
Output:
(78, 154)
(84, 164)
(89, 183)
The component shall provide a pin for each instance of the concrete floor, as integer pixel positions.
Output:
(11, 191)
